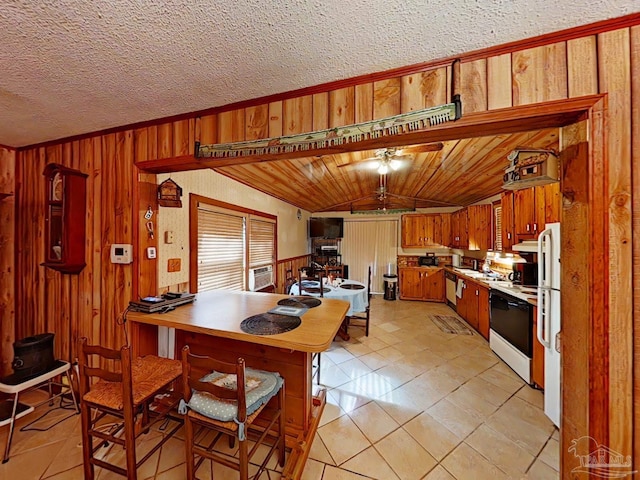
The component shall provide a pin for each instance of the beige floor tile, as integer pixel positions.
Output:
(395, 374)
(313, 470)
(374, 360)
(389, 327)
(358, 349)
(32, 463)
(487, 391)
(406, 456)
(71, 474)
(331, 411)
(461, 422)
(69, 456)
(466, 399)
(319, 452)
(391, 353)
(334, 473)
(354, 368)
(343, 439)
(500, 451)
(502, 376)
(556, 434)
(338, 355)
(464, 463)
(551, 454)
(373, 343)
(370, 385)
(333, 376)
(373, 421)
(541, 471)
(439, 473)
(434, 437)
(347, 401)
(399, 406)
(533, 396)
(370, 464)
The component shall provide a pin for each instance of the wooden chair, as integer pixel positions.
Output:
(336, 270)
(124, 392)
(315, 358)
(221, 402)
(318, 278)
(289, 281)
(365, 316)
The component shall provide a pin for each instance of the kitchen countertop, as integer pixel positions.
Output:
(529, 294)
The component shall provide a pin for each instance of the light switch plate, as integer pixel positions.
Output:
(151, 252)
(168, 236)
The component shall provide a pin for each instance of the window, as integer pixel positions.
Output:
(229, 243)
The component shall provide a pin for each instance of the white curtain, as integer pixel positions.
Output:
(370, 242)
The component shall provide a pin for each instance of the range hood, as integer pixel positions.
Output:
(528, 246)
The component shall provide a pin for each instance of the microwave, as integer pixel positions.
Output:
(429, 261)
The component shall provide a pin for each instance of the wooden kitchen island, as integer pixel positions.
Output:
(211, 326)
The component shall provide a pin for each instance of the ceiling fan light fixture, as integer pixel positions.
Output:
(383, 169)
(395, 164)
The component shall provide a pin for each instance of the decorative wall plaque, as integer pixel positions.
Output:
(169, 193)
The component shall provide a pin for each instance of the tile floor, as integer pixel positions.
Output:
(407, 402)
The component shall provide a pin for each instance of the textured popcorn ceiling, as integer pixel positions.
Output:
(69, 66)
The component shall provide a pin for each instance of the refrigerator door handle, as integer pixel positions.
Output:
(543, 326)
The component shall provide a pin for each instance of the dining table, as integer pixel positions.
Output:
(351, 291)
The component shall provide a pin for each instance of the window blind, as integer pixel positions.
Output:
(262, 234)
(221, 240)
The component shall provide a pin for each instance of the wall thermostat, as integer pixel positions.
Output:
(121, 253)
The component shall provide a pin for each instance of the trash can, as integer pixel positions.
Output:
(390, 283)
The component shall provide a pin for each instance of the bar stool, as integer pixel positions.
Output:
(126, 393)
(227, 400)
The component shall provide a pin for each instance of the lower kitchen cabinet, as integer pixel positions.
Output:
(537, 362)
(473, 306)
(422, 283)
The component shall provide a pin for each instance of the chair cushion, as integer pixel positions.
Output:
(260, 388)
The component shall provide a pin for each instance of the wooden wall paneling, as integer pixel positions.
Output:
(147, 271)
(194, 129)
(342, 107)
(540, 74)
(7, 259)
(320, 111)
(231, 126)
(615, 79)
(635, 149)
(257, 122)
(576, 307)
(208, 129)
(294, 115)
(386, 98)
(94, 189)
(152, 142)
(473, 86)
(180, 138)
(582, 66)
(422, 90)
(498, 78)
(275, 119)
(364, 102)
(165, 140)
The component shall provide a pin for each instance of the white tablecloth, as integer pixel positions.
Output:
(358, 299)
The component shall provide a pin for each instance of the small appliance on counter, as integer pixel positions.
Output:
(429, 261)
(524, 274)
(455, 260)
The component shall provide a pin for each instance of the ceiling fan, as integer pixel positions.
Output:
(392, 158)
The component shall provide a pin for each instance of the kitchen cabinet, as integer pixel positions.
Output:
(480, 227)
(459, 229)
(65, 218)
(534, 207)
(507, 221)
(422, 283)
(537, 362)
(445, 228)
(421, 230)
(473, 306)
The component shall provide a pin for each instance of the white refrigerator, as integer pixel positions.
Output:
(549, 322)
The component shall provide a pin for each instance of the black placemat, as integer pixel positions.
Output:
(269, 324)
(352, 286)
(316, 289)
(308, 302)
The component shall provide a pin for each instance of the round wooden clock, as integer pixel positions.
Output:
(56, 187)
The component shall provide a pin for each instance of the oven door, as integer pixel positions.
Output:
(512, 319)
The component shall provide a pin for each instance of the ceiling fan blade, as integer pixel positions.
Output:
(358, 161)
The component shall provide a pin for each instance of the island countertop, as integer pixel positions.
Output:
(220, 313)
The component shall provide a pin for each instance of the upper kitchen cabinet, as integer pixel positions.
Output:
(480, 227)
(460, 229)
(65, 218)
(533, 208)
(508, 228)
(421, 230)
(445, 230)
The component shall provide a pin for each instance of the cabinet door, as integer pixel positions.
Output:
(413, 231)
(433, 281)
(537, 362)
(483, 312)
(410, 284)
(462, 303)
(480, 227)
(433, 230)
(539, 210)
(508, 233)
(463, 225)
(524, 212)
(445, 222)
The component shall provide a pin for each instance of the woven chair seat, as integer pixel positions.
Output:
(149, 374)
